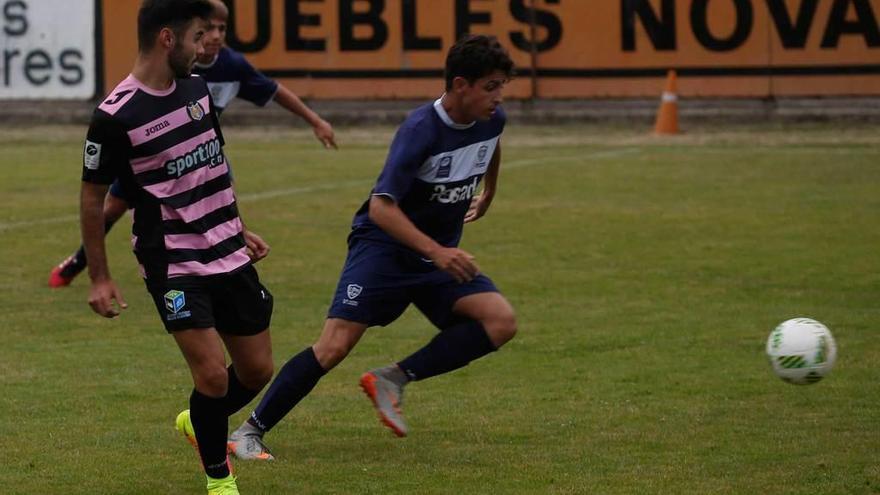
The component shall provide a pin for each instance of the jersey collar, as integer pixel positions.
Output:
(441, 112)
(155, 92)
(209, 64)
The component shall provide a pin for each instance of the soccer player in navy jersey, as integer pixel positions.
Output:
(403, 249)
(157, 133)
(229, 76)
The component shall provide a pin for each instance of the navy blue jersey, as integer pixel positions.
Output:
(433, 169)
(230, 75)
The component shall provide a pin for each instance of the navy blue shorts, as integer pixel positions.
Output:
(379, 281)
(117, 191)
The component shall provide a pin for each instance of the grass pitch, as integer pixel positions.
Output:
(646, 273)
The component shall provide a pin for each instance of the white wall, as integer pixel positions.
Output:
(47, 49)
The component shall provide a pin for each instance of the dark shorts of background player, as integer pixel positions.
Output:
(117, 191)
(379, 281)
(235, 303)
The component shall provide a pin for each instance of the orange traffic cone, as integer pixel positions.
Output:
(667, 116)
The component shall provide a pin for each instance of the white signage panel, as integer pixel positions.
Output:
(47, 49)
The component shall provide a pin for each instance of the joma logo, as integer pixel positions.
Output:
(156, 128)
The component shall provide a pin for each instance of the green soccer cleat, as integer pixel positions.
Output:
(225, 486)
(184, 425)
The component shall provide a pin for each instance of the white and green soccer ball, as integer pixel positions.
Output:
(801, 350)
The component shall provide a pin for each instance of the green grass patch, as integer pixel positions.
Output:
(646, 273)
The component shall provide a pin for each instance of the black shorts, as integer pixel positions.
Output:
(235, 303)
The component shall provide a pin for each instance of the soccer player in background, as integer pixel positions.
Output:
(403, 249)
(157, 133)
(229, 75)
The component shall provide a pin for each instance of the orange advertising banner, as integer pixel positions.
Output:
(562, 48)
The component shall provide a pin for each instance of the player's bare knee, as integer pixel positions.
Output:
(336, 341)
(329, 354)
(265, 376)
(212, 381)
(501, 328)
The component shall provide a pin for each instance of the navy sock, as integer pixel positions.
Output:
(237, 395)
(211, 425)
(295, 380)
(452, 348)
(79, 257)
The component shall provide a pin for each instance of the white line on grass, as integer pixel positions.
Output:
(597, 155)
(39, 221)
(295, 191)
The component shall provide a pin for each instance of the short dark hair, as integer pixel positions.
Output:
(154, 15)
(476, 56)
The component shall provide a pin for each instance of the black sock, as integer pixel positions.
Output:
(210, 423)
(79, 261)
(295, 380)
(237, 395)
(108, 224)
(452, 348)
(76, 265)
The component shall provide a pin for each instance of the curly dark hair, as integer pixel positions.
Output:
(175, 14)
(476, 56)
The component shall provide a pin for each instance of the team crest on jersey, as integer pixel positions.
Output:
(445, 168)
(481, 156)
(91, 155)
(195, 110)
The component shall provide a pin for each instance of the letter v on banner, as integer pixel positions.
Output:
(667, 115)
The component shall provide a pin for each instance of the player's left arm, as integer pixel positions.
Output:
(255, 247)
(480, 203)
(322, 129)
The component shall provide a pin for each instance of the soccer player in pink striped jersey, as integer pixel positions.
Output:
(157, 133)
(229, 76)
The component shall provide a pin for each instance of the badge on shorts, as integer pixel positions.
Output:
(354, 290)
(174, 302)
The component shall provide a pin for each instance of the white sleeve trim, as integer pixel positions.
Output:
(393, 198)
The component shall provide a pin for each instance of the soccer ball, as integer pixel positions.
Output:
(801, 351)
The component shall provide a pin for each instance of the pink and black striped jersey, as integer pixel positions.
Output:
(166, 149)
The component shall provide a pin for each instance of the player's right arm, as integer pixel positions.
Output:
(259, 89)
(102, 154)
(410, 148)
(321, 128)
(385, 213)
